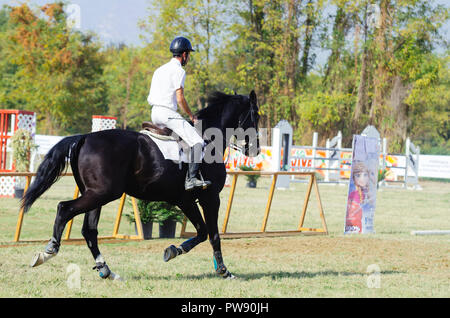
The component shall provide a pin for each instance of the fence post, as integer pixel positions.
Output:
(21, 213)
(314, 145)
(384, 158)
(327, 162)
(407, 154)
(338, 153)
(412, 158)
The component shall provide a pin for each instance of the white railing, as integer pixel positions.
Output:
(335, 167)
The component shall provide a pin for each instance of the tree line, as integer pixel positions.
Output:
(387, 65)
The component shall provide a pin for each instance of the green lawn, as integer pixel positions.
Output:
(302, 266)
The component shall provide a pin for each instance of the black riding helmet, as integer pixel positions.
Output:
(180, 45)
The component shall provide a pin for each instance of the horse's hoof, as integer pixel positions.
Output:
(170, 253)
(37, 260)
(227, 275)
(40, 258)
(230, 277)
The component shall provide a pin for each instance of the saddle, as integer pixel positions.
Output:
(169, 143)
(157, 132)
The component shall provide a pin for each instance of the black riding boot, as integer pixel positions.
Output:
(192, 180)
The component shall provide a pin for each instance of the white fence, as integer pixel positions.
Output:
(334, 163)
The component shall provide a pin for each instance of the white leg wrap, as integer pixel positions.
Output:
(182, 250)
(100, 259)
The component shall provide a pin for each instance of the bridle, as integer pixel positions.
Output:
(251, 113)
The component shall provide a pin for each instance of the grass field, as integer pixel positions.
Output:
(335, 265)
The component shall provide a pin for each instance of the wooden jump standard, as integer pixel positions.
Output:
(115, 235)
(263, 233)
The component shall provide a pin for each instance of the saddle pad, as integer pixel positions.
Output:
(171, 150)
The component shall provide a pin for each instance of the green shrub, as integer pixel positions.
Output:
(250, 178)
(157, 211)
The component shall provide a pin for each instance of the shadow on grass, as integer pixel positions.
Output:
(255, 276)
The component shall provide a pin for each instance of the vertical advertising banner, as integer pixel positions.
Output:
(362, 190)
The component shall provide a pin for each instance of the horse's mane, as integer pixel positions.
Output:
(215, 104)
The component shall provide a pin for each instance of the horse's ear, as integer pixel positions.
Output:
(253, 98)
(235, 93)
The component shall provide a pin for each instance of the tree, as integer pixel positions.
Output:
(57, 71)
(128, 81)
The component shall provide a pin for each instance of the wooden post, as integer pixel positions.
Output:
(137, 219)
(319, 202)
(183, 227)
(69, 225)
(305, 203)
(230, 203)
(269, 202)
(119, 215)
(21, 212)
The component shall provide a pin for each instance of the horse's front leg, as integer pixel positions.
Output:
(210, 205)
(190, 209)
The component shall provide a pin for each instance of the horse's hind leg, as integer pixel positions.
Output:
(193, 214)
(90, 234)
(67, 211)
(210, 205)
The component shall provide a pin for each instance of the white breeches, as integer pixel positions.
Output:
(166, 117)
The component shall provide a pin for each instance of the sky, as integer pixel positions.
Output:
(113, 20)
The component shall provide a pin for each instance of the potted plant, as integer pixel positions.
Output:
(22, 144)
(167, 216)
(251, 179)
(147, 218)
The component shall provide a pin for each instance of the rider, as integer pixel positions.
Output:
(166, 91)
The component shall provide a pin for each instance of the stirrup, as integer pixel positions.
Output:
(203, 184)
(206, 184)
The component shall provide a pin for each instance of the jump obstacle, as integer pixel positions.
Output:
(224, 234)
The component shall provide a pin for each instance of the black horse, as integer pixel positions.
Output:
(108, 163)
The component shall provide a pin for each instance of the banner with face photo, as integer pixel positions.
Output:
(362, 190)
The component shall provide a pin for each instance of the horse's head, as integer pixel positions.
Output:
(235, 115)
(248, 122)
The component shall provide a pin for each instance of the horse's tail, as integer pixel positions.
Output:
(51, 169)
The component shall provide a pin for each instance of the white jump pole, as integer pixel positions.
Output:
(432, 232)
